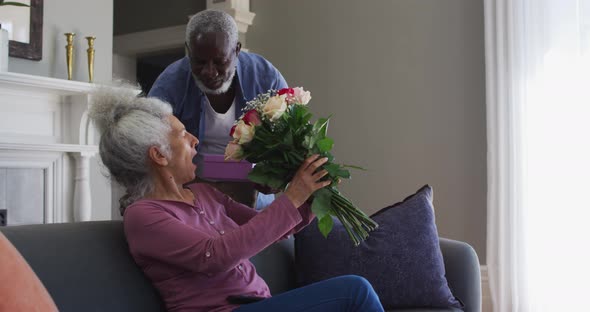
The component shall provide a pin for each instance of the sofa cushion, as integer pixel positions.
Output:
(85, 266)
(402, 258)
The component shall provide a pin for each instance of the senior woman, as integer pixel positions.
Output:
(193, 242)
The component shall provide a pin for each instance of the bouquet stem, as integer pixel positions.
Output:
(356, 222)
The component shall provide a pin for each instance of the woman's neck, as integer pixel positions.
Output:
(167, 188)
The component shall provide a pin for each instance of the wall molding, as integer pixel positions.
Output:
(149, 41)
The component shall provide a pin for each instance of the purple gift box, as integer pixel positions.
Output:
(215, 167)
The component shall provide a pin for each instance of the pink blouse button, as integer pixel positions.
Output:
(207, 254)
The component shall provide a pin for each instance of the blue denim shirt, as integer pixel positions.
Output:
(176, 86)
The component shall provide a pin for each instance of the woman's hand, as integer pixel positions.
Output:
(307, 180)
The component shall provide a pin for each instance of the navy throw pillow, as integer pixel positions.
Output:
(401, 258)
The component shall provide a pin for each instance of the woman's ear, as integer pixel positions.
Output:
(157, 157)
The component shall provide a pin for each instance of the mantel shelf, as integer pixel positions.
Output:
(64, 148)
(51, 85)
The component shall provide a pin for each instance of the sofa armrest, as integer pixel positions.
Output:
(462, 272)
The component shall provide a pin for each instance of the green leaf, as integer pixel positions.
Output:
(14, 3)
(300, 112)
(343, 173)
(263, 175)
(354, 167)
(330, 157)
(308, 142)
(257, 175)
(325, 144)
(306, 118)
(275, 182)
(278, 170)
(321, 202)
(325, 225)
(332, 169)
(321, 126)
(285, 157)
(288, 138)
(298, 159)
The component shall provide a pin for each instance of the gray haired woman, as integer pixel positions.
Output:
(193, 242)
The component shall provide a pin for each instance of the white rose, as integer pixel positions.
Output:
(243, 133)
(275, 107)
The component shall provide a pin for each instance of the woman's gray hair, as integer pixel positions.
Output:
(129, 125)
(209, 21)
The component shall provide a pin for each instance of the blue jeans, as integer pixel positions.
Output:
(343, 293)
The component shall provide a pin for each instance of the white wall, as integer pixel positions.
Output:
(404, 81)
(85, 18)
(125, 68)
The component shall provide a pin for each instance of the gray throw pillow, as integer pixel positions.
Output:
(401, 259)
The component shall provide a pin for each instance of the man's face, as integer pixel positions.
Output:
(213, 61)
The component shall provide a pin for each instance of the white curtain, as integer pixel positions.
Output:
(538, 122)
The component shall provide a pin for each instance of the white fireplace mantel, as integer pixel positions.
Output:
(44, 124)
(53, 85)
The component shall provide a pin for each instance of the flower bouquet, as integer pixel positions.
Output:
(275, 133)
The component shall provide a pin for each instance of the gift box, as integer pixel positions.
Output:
(215, 167)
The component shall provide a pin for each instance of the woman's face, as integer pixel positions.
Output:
(183, 147)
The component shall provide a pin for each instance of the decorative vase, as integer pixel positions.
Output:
(90, 52)
(3, 50)
(69, 53)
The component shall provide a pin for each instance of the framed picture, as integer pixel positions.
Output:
(25, 29)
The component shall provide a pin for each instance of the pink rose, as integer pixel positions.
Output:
(243, 132)
(301, 96)
(252, 118)
(233, 151)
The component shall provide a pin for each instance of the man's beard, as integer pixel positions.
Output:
(224, 86)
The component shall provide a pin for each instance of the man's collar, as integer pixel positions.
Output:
(239, 75)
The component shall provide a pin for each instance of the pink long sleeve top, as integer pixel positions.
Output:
(197, 255)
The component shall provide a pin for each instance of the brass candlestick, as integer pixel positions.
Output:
(69, 52)
(90, 52)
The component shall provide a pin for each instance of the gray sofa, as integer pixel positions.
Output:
(86, 267)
